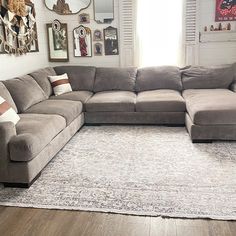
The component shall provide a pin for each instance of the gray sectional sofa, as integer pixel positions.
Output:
(203, 99)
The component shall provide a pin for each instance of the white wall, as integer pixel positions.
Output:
(214, 53)
(11, 66)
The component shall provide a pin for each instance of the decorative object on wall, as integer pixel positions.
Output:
(225, 10)
(98, 49)
(219, 27)
(18, 31)
(67, 7)
(103, 11)
(111, 41)
(97, 35)
(82, 42)
(84, 18)
(57, 42)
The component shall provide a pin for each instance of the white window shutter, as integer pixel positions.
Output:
(191, 32)
(127, 31)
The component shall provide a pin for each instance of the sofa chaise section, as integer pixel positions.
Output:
(211, 114)
(211, 106)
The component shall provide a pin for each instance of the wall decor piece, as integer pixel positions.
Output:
(103, 11)
(97, 35)
(98, 49)
(57, 42)
(18, 31)
(82, 42)
(225, 10)
(67, 7)
(111, 41)
(84, 18)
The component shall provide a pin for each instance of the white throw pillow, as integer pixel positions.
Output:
(7, 113)
(60, 84)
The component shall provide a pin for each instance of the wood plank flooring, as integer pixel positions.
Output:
(34, 222)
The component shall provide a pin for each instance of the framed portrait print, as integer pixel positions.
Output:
(111, 41)
(98, 48)
(97, 35)
(57, 42)
(82, 41)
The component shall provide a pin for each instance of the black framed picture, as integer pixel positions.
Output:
(111, 41)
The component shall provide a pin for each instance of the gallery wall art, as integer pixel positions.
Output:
(225, 10)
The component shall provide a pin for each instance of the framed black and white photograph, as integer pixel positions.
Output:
(111, 41)
(98, 47)
(97, 35)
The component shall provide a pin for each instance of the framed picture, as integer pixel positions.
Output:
(82, 41)
(57, 42)
(98, 49)
(84, 18)
(111, 41)
(18, 30)
(225, 10)
(97, 35)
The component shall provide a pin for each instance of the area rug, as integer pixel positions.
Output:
(139, 170)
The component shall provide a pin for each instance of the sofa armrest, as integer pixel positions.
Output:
(7, 131)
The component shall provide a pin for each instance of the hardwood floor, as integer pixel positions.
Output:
(34, 222)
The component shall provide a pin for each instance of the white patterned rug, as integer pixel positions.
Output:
(140, 170)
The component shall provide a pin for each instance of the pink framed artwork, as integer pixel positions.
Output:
(225, 10)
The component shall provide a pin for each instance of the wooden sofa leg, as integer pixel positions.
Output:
(21, 185)
(201, 141)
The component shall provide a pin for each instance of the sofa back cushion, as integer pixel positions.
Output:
(4, 93)
(161, 77)
(198, 77)
(41, 77)
(108, 79)
(25, 92)
(80, 77)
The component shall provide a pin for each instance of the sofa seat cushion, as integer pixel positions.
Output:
(34, 133)
(67, 109)
(119, 101)
(160, 101)
(211, 106)
(81, 96)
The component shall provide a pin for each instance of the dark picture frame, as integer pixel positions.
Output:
(82, 37)
(111, 44)
(58, 53)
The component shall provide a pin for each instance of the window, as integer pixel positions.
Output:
(159, 32)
